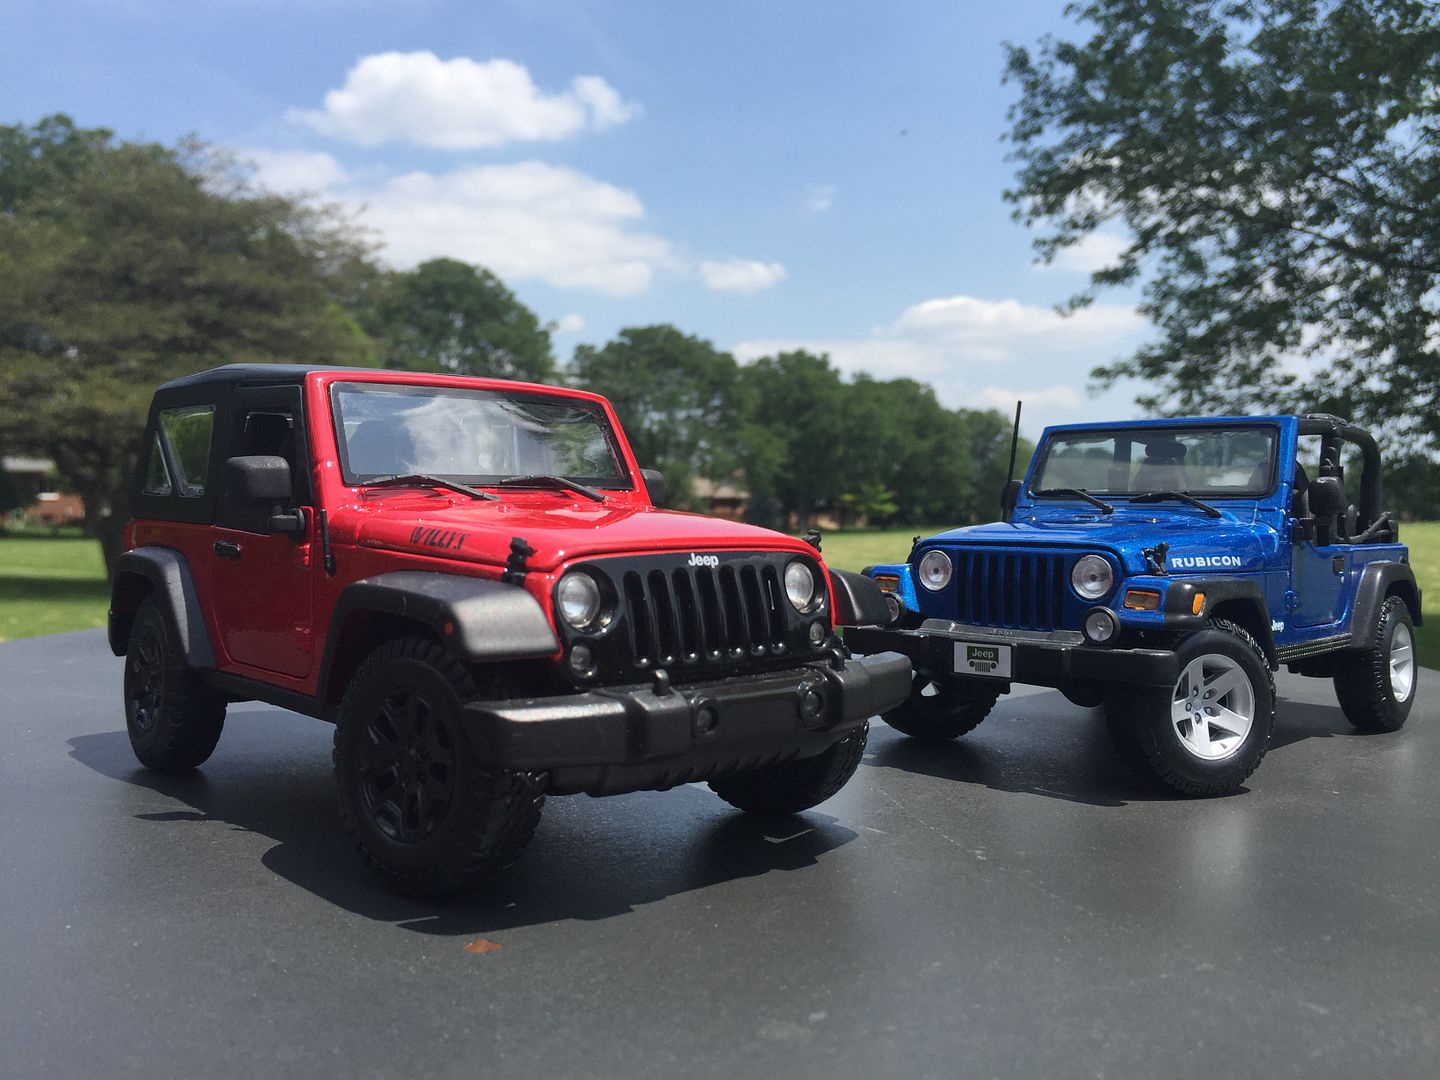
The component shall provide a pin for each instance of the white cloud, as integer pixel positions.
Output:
(820, 198)
(1094, 252)
(740, 275)
(965, 346)
(459, 104)
(291, 172)
(999, 397)
(570, 324)
(529, 220)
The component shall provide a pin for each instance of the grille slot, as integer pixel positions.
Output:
(1018, 590)
(703, 615)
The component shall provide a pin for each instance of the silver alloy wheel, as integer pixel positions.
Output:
(1402, 662)
(1213, 706)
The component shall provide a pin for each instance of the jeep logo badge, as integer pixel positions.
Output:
(704, 560)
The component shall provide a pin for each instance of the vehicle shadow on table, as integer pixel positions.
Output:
(591, 859)
(1043, 745)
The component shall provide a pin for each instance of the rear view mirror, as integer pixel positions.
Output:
(1327, 496)
(654, 485)
(259, 479)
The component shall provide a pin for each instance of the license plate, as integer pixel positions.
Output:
(988, 660)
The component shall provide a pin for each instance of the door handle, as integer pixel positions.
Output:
(227, 549)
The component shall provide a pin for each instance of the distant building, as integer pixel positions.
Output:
(723, 499)
(41, 503)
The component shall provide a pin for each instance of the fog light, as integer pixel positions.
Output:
(817, 634)
(893, 605)
(1100, 625)
(812, 702)
(582, 658)
(1142, 600)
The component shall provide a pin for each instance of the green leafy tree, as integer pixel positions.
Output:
(450, 316)
(1276, 166)
(677, 398)
(123, 265)
(793, 437)
(9, 493)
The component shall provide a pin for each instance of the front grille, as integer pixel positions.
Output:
(1019, 590)
(697, 614)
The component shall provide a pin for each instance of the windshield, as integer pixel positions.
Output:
(472, 436)
(1208, 462)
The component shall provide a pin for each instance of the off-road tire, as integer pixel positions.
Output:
(489, 814)
(173, 718)
(1141, 726)
(950, 712)
(1362, 679)
(795, 785)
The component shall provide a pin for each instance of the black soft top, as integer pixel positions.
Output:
(230, 374)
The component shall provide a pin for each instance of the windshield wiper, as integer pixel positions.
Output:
(1079, 493)
(422, 480)
(1179, 496)
(545, 480)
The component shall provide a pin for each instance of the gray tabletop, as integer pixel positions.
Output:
(1014, 904)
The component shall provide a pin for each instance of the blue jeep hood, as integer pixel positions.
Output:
(1191, 535)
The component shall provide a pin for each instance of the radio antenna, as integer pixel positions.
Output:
(1014, 442)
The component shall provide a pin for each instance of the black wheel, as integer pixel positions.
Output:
(426, 814)
(1376, 684)
(1209, 732)
(174, 719)
(796, 785)
(938, 710)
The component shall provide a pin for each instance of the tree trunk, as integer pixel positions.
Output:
(107, 524)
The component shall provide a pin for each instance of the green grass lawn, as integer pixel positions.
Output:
(48, 586)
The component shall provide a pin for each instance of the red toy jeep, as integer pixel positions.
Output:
(472, 580)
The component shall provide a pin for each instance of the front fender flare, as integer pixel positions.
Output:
(477, 618)
(1378, 580)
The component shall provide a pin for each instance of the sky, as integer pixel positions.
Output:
(767, 175)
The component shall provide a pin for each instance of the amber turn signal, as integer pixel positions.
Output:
(1199, 604)
(1142, 600)
(887, 582)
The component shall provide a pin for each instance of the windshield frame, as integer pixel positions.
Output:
(624, 482)
(1136, 434)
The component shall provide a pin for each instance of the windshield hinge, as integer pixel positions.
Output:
(515, 566)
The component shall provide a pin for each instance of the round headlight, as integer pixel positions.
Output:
(800, 586)
(935, 570)
(578, 598)
(1092, 577)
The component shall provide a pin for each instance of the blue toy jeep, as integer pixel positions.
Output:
(1164, 569)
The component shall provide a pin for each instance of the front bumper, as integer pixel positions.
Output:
(614, 739)
(1035, 659)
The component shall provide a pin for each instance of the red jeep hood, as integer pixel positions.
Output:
(557, 528)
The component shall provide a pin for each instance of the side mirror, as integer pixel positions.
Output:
(259, 479)
(1009, 496)
(654, 485)
(1327, 497)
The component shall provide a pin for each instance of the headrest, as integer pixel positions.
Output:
(1166, 449)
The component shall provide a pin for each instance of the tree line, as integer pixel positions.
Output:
(125, 264)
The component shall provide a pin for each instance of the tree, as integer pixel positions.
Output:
(676, 397)
(123, 265)
(793, 436)
(1277, 167)
(450, 316)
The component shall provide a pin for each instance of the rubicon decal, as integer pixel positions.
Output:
(704, 560)
(1205, 562)
(443, 539)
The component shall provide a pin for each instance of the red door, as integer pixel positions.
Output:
(263, 581)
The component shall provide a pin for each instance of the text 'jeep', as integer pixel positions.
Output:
(1164, 569)
(470, 579)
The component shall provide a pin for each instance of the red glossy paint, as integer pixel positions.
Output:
(266, 621)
